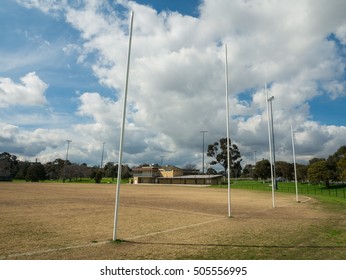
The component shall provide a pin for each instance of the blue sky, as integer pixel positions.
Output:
(180, 6)
(62, 69)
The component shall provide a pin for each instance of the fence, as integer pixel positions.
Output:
(333, 192)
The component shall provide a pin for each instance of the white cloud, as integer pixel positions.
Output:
(50, 6)
(29, 143)
(336, 88)
(177, 76)
(341, 33)
(29, 92)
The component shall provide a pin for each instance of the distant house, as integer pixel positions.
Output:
(146, 171)
(153, 174)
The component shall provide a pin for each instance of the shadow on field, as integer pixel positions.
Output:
(233, 245)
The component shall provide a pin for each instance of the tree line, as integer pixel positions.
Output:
(318, 170)
(59, 169)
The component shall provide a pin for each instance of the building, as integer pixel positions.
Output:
(154, 174)
(170, 171)
(145, 174)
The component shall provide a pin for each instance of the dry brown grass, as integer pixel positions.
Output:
(75, 221)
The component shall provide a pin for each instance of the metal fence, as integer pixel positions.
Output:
(333, 192)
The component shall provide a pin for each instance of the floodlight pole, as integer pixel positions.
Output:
(294, 164)
(68, 147)
(227, 130)
(203, 132)
(103, 149)
(122, 134)
(270, 145)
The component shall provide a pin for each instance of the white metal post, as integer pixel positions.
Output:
(103, 149)
(68, 146)
(273, 140)
(270, 145)
(122, 134)
(203, 132)
(294, 164)
(228, 144)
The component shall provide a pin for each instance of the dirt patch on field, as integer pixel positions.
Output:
(75, 221)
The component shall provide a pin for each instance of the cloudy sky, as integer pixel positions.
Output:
(63, 66)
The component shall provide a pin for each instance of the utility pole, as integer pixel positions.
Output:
(203, 132)
(103, 149)
(68, 146)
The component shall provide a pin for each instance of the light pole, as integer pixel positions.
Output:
(68, 146)
(103, 149)
(203, 132)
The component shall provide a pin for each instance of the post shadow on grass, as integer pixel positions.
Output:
(118, 241)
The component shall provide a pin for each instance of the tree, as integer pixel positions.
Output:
(110, 170)
(56, 169)
(342, 168)
(35, 172)
(52, 171)
(302, 172)
(125, 171)
(98, 176)
(218, 151)
(248, 171)
(313, 160)
(8, 166)
(262, 169)
(284, 170)
(318, 172)
(93, 172)
(333, 163)
(211, 171)
(22, 169)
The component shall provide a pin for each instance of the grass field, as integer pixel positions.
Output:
(75, 221)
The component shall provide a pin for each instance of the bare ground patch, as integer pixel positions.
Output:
(75, 221)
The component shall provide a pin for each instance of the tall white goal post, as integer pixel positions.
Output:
(117, 195)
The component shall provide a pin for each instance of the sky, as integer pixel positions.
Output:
(63, 68)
